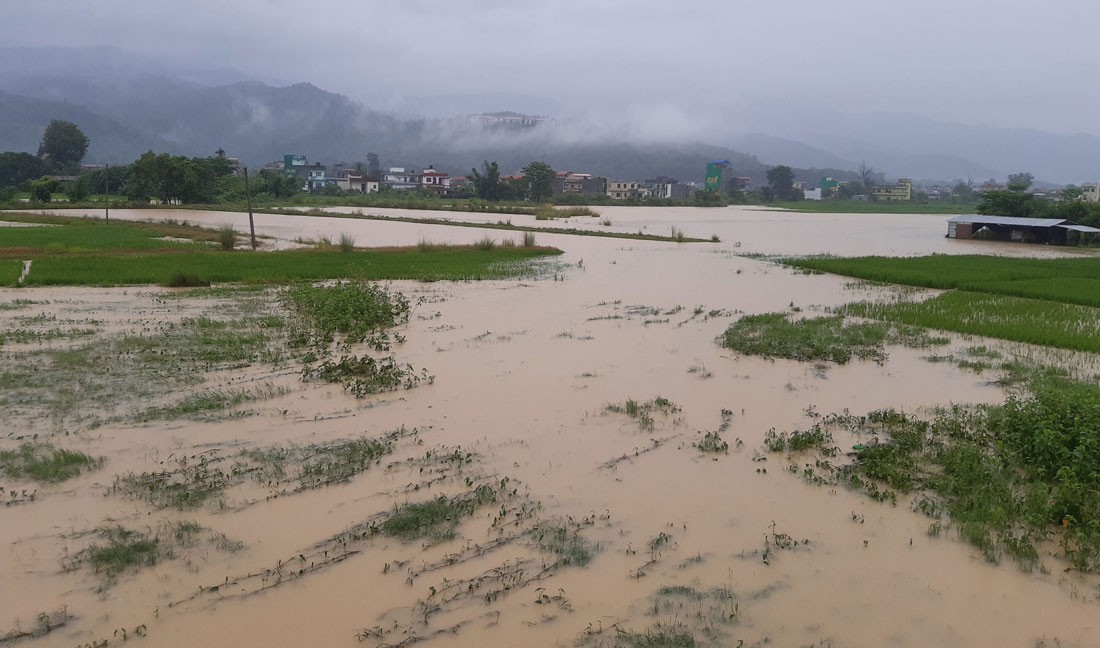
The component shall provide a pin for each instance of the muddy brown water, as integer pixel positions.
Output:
(524, 371)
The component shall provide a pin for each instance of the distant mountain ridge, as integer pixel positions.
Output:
(128, 104)
(127, 114)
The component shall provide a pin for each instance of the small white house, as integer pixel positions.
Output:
(812, 194)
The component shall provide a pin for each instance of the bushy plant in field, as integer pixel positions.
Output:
(822, 338)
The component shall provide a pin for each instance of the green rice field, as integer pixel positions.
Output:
(286, 266)
(1070, 281)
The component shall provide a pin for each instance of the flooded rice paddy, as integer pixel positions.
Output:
(566, 522)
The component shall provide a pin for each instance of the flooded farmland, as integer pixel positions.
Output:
(561, 435)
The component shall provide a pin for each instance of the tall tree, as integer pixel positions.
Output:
(1008, 203)
(1020, 181)
(781, 181)
(539, 180)
(487, 185)
(866, 176)
(63, 146)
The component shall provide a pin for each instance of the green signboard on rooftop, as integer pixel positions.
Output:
(714, 177)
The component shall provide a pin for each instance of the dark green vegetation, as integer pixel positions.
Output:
(822, 338)
(45, 463)
(10, 271)
(1016, 201)
(830, 338)
(1010, 479)
(360, 313)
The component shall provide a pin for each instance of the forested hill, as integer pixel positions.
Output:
(124, 116)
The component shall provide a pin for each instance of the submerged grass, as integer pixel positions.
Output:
(436, 520)
(316, 465)
(122, 550)
(206, 404)
(643, 411)
(565, 542)
(43, 462)
(196, 480)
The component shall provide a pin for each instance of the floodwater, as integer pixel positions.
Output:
(524, 371)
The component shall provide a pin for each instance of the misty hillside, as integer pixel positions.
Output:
(24, 119)
(128, 104)
(126, 114)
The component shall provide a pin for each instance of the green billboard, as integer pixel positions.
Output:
(715, 171)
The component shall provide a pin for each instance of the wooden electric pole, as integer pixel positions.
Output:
(248, 194)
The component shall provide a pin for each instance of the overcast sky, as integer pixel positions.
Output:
(1001, 63)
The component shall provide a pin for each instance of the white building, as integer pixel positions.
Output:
(1091, 192)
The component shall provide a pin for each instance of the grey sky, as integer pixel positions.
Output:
(1003, 63)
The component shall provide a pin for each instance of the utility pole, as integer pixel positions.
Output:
(107, 192)
(248, 194)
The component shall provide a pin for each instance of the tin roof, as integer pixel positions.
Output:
(1079, 228)
(976, 219)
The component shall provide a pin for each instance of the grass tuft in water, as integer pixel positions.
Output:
(565, 542)
(436, 520)
(44, 463)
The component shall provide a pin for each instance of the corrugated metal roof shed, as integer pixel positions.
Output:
(976, 219)
(1007, 220)
(1080, 228)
